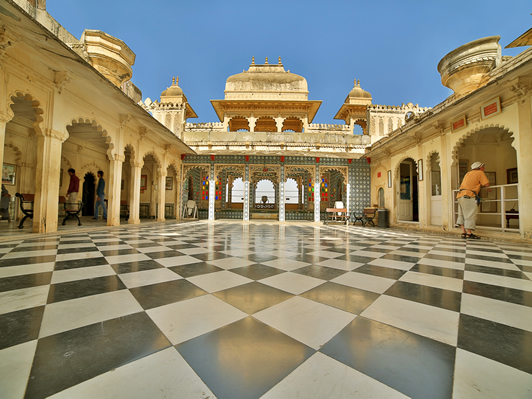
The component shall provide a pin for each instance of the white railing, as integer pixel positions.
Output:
(497, 209)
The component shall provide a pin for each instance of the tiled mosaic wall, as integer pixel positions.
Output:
(358, 170)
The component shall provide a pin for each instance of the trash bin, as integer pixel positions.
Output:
(383, 217)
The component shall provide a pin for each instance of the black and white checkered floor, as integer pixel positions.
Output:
(233, 310)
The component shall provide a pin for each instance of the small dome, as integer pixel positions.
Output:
(174, 90)
(358, 92)
(265, 82)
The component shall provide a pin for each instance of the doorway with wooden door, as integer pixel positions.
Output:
(408, 210)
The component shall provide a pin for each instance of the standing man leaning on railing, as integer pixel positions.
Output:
(468, 199)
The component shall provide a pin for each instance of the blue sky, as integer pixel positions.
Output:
(393, 47)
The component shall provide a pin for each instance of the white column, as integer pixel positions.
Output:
(281, 196)
(246, 194)
(317, 194)
(524, 163)
(279, 123)
(161, 191)
(134, 193)
(115, 180)
(3, 123)
(212, 192)
(49, 149)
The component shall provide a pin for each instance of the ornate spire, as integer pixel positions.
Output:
(177, 80)
(173, 81)
(266, 61)
(279, 60)
(252, 60)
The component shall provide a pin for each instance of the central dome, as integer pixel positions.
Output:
(266, 82)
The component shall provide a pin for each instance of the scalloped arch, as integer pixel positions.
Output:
(460, 142)
(38, 125)
(16, 150)
(173, 166)
(155, 156)
(99, 128)
(395, 174)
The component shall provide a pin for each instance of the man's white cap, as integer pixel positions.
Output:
(477, 165)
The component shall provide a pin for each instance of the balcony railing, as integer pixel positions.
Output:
(499, 208)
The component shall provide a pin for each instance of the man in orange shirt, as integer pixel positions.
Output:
(467, 203)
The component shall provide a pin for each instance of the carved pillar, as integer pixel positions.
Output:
(279, 122)
(246, 194)
(317, 194)
(252, 122)
(212, 194)
(45, 207)
(281, 196)
(3, 123)
(524, 163)
(115, 180)
(161, 191)
(230, 192)
(134, 193)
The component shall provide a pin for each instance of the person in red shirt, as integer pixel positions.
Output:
(467, 203)
(73, 187)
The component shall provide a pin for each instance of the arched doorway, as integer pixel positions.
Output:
(435, 190)
(407, 182)
(89, 190)
(503, 198)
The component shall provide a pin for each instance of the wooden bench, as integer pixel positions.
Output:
(336, 214)
(124, 209)
(369, 215)
(72, 210)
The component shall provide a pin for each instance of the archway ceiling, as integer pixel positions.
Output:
(491, 135)
(84, 132)
(23, 108)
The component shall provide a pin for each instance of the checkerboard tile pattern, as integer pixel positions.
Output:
(236, 310)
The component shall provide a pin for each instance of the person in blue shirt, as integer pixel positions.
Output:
(101, 197)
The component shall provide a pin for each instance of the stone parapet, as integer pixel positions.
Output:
(260, 138)
(326, 128)
(210, 126)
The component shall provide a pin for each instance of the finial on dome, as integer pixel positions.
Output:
(279, 60)
(173, 80)
(355, 83)
(358, 82)
(252, 60)
(177, 80)
(266, 61)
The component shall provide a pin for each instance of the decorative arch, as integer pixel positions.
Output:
(237, 123)
(155, 156)
(202, 167)
(341, 169)
(293, 124)
(38, 125)
(90, 167)
(99, 128)
(265, 124)
(396, 169)
(460, 142)
(63, 158)
(174, 167)
(17, 151)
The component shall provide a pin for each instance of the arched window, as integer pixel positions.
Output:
(381, 198)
